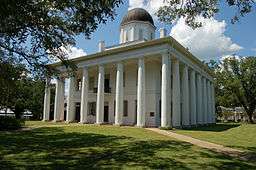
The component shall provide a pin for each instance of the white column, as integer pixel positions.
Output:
(84, 97)
(59, 100)
(100, 96)
(204, 98)
(47, 96)
(209, 107)
(62, 98)
(70, 100)
(132, 33)
(141, 94)
(162, 32)
(166, 91)
(119, 94)
(121, 35)
(176, 115)
(213, 103)
(193, 98)
(56, 116)
(185, 97)
(199, 100)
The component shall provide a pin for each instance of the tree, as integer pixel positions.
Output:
(18, 91)
(191, 9)
(238, 81)
(34, 31)
(223, 96)
(10, 74)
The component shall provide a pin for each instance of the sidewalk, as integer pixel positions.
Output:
(200, 143)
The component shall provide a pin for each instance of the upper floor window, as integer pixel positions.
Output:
(78, 84)
(140, 34)
(91, 83)
(126, 35)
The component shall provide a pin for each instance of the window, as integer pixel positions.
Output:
(107, 88)
(135, 107)
(152, 114)
(78, 84)
(125, 108)
(92, 108)
(151, 36)
(127, 36)
(140, 34)
(124, 79)
(91, 83)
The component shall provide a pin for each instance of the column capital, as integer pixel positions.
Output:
(119, 63)
(165, 52)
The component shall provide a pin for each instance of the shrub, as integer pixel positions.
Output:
(10, 123)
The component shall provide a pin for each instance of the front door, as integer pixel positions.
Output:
(105, 113)
(77, 113)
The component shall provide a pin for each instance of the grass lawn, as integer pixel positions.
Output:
(74, 146)
(240, 136)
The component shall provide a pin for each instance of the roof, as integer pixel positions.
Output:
(137, 14)
(170, 40)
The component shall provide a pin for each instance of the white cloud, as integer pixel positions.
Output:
(207, 42)
(73, 52)
(69, 53)
(150, 5)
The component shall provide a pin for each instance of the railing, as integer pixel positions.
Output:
(106, 90)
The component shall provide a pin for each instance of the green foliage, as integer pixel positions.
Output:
(10, 73)
(235, 83)
(191, 9)
(34, 31)
(19, 91)
(10, 123)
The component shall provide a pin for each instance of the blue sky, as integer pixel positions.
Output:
(237, 38)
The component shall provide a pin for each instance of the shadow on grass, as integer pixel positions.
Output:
(215, 127)
(53, 148)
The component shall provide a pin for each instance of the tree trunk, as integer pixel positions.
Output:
(250, 117)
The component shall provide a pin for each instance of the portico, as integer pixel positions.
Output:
(153, 82)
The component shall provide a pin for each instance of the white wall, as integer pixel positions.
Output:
(131, 31)
(152, 73)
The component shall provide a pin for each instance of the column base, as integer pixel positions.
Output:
(165, 128)
(140, 126)
(84, 122)
(55, 121)
(101, 123)
(70, 121)
(118, 124)
(45, 120)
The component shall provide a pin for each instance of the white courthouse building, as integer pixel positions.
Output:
(142, 81)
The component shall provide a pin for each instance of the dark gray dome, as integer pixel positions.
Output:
(137, 14)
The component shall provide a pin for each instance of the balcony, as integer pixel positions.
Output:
(106, 90)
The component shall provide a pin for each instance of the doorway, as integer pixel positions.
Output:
(77, 112)
(106, 114)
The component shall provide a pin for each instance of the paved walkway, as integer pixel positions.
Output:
(200, 143)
